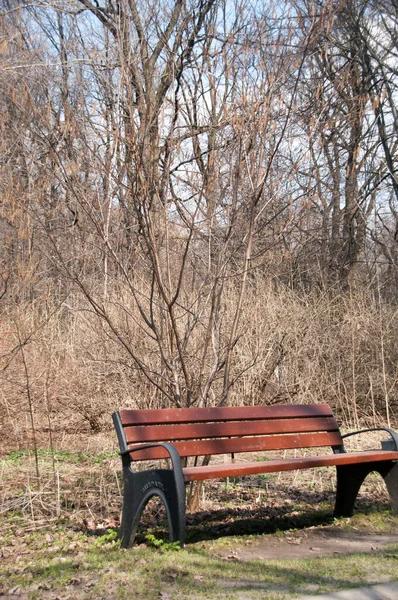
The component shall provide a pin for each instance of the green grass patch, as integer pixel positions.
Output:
(370, 520)
(61, 456)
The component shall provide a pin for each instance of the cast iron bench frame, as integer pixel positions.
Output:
(174, 434)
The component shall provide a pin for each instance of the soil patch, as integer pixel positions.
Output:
(309, 543)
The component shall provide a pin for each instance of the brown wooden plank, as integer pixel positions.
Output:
(250, 444)
(274, 466)
(224, 413)
(188, 431)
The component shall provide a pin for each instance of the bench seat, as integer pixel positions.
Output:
(292, 464)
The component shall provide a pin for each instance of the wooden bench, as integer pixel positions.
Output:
(174, 434)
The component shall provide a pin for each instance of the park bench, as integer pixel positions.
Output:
(176, 434)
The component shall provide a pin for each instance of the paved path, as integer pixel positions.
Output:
(382, 591)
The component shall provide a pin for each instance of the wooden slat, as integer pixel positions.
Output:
(224, 413)
(221, 429)
(274, 466)
(249, 444)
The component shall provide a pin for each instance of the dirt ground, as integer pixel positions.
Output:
(324, 541)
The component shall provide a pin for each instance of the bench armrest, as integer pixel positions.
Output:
(172, 451)
(393, 439)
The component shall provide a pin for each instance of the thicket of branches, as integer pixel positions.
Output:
(198, 205)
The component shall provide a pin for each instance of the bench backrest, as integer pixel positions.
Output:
(229, 429)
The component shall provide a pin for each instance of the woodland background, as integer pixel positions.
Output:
(198, 206)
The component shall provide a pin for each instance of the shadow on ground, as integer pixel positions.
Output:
(273, 517)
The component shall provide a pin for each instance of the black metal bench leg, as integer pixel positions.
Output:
(139, 488)
(130, 515)
(349, 481)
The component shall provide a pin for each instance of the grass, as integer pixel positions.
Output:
(76, 555)
(89, 566)
(60, 456)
